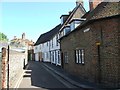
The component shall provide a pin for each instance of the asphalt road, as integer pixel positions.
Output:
(38, 76)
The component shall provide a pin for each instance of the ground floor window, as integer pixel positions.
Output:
(66, 57)
(53, 56)
(79, 56)
(59, 57)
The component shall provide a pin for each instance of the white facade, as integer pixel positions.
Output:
(42, 52)
(45, 48)
(55, 56)
(37, 50)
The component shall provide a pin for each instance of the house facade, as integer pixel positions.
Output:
(93, 52)
(41, 49)
(37, 52)
(47, 47)
(55, 55)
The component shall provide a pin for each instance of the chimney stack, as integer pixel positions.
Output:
(15, 37)
(93, 3)
(78, 2)
(23, 36)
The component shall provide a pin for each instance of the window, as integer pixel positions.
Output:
(67, 30)
(62, 20)
(47, 43)
(56, 40)
(79, 56)
(47, 55)
(42, 45)
(59, 58)
(52, 43)
(66, 57)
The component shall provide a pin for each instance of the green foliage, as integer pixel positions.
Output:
(3, 37)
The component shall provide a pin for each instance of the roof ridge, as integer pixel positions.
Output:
(48, 35)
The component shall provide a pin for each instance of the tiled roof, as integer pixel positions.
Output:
(47, 36)
(105, 9)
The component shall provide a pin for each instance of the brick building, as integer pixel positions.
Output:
(93, 53)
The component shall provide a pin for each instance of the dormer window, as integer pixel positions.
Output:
(66, 29)
(63, 18)
(74, 23)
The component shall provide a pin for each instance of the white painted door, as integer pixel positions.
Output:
(36, 57)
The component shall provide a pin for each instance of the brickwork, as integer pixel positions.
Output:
(105, 71)
(17, 60)
(16, 66)
(0, 69)
(4, 69)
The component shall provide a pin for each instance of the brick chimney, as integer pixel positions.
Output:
(23, 36)
(93, 3)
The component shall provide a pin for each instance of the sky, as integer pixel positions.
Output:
(32, 18)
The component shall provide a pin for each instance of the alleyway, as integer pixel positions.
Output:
(38, 76)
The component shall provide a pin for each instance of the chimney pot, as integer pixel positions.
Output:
(93, 3)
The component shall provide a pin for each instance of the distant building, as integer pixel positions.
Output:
(23, 43)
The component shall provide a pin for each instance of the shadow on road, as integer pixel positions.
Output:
(41, 78)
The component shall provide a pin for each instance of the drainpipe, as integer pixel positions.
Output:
(8, 70)
(99, 66)
(49, 52)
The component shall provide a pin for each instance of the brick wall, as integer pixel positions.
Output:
(106, 71)
(16, 66)
(0, 68)
(17, 60)
(4, 68)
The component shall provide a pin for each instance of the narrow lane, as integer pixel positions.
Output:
(38, 76)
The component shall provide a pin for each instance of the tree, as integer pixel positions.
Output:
(3, 37)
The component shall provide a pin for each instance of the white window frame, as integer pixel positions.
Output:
(79, 56)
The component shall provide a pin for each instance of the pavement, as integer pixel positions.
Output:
(80, 83)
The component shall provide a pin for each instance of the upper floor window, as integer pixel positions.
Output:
(43, 45)
(79, 56)
(57, 40)
(66, 30)
(75, 23)
(40, 46)
(47, 43)
(52, 43)
(61, 20)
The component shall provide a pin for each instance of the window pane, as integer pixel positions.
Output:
(83, 56)
(76, 56)
(80, 59)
